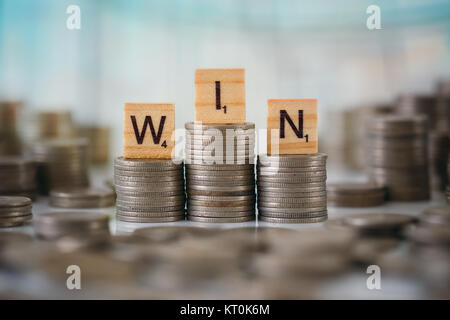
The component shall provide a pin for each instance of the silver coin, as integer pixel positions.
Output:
(278, 170)
(125, 162)
(150, 179)
(152, 198)
(223, 198)
(220, 167)
(297, 175)
(137, 208)
(150, 219)
(299, 180)
(281, 194)
(292, 187)
(228, 214)
(236, 177)
(219, 186)
(216, 173)
(266, 204)
(154, 174)
(297, 215)
(292, 159)
(14, 221)
(220, 209)
(222, 204)
(292, 220)
(203, 126)
(193, 192)
(149, 203)
(295, 210)
(293, 200)
(149, 185)
(13, 214)
(149, 214)
(8, 202)
(220, 220)
(153, 191)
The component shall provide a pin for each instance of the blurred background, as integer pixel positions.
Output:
(147, 51)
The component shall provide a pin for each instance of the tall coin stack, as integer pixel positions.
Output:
(292, 188)
(438, 144)
(220, 175)
(149, 190)
(397, 156)
(62, 163)
(98, 143)
(10, 143)
(17, 176)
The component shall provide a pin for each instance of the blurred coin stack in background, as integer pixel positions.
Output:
(98, 138)
(220, 176)
(61, 163)
(354, 133)
(292, 188)
(56, 124)
(10, 143)
(149, 190)
(438, 144)
(435, 109)
(82, 198)
(86, 226)
(17, 177)
(355, 194)
(14, 211)
(397, 156)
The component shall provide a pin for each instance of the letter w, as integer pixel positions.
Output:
(148, 122)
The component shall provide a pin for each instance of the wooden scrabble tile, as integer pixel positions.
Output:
(295, 122)
(148, 130)
(220, 95)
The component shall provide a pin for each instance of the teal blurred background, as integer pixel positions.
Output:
(137, 50)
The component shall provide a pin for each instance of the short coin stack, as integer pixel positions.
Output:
(55, 225)
(149, 190)
(62, 163)
(397, 156)
(82, 198)
(14, 211)
(17, 176)
(355, 194)
(220, 176)
(292, 188)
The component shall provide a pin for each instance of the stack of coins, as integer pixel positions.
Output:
(220, 176)
(220, 143)
(56, 124)
(62, 163)
(149, 190)
(373, 224)
(14, 211)
(292, 188)
(355, 194)
(82, 198)
(17, 176)
(397, 156)
(98, 138)
(10, 143)
(55, 225)
(438, 156)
